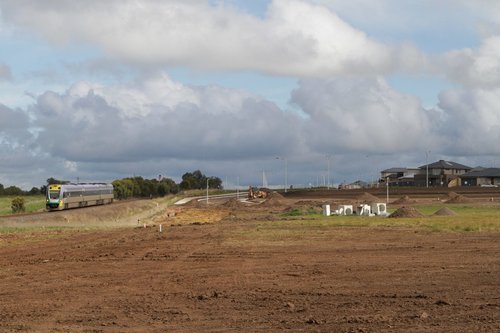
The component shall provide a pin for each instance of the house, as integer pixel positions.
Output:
(441, 173)
(481, 177)
(399, 176)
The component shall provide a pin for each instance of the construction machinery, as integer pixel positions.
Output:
(255, 193)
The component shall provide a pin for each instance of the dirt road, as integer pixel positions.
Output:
(251, 277)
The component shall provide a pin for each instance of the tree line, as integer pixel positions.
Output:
(135, 186)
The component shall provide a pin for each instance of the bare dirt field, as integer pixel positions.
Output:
(227, 267)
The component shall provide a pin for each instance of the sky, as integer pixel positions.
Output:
(306, 92)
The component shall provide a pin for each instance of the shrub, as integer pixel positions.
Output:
(17, 205)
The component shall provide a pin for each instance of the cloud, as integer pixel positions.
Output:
(472, 122)
(361, 114)
(474, 67)
(154, 125)
(5, 73)
(14, 124)
(195, 33)
(158, 118)
(17, 146)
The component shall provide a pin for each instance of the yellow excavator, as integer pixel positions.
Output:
(254, 193)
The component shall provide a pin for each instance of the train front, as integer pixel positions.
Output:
(54, 197)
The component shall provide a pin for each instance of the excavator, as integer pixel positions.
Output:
(254, 193)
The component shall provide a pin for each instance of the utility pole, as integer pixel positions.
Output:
(328, 170)
(207, 191)
(387, 190)
(427, 168)
(286, 170)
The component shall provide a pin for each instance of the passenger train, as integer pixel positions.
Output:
(65, 196)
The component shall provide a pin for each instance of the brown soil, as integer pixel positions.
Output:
(445, 211)
(367, 198)
(274, 199)
(406, 211)
(458, 199)
(215, 268)
(404, 200)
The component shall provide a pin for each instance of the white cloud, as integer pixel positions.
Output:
(474, 67)
(472, 123)
(340, 49)
(363, 115)
(155, 125)
(158, 118)
(194, 33)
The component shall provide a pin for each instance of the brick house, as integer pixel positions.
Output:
(399, 176)
(481, 177)
(441, 173)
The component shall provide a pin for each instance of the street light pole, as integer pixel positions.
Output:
(427, 168)
(286, 174)
(286, 170)
(207, 191)
(387, 190)
(328, 170)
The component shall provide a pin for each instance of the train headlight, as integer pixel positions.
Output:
(61, 203)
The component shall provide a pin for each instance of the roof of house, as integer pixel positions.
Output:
(488, 172)
(442, 164)
(397, 169)
(394, 170)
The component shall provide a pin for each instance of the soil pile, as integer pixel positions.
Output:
(445, 211)
(232, 203)
(367, 198)
(406, 211)
(457, 198)
(274, 199)
(404, 200)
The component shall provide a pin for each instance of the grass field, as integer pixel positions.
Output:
(469, 217)
(32, 203)
(473, 217)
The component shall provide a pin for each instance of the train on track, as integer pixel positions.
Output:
(65, 196)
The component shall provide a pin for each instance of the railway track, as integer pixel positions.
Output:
(58, 212)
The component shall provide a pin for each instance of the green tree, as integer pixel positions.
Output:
(34, 191)
(140, 187)
(13, 190)
(123, 188)
(167, 186)
(52, 180)
(17, 205)
(197, 180)
(215, 183)
(1, 189)
(193, 180)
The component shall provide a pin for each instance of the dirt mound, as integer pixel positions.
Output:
(275, 195)
(458, 198)
(406, 211)
(274, 199)
(404, 200)
(445, 211)
(232, 203)
(367, 198)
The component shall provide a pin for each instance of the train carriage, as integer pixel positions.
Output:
(65, 196)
